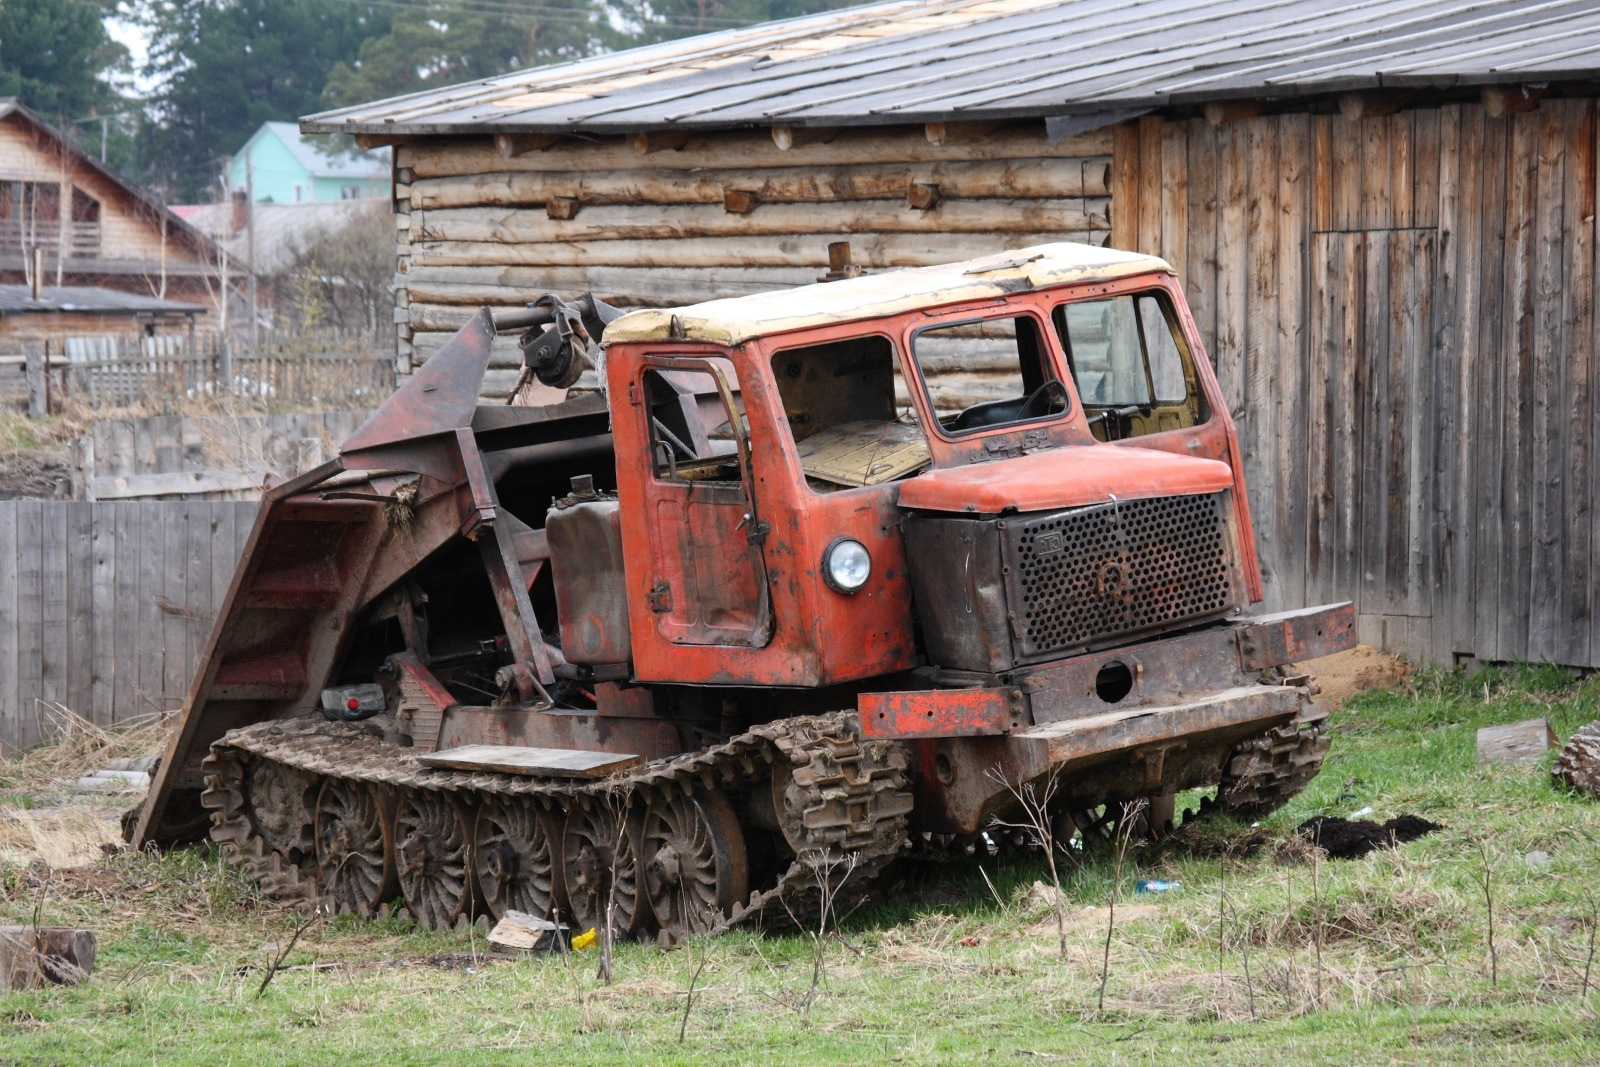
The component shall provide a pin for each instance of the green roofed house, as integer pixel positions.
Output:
(282, 166)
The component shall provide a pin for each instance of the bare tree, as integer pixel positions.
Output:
(1486, 881)
(1034, 800)
(1125, 828)
(336, 278)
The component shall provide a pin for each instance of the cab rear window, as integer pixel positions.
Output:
(1133, 372)
(984, 373)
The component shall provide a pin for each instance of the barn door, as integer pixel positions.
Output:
(1370, 535)
(706, 532)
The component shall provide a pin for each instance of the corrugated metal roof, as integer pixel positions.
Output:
(283, 231)
(87, 300)
(374, 164)
(940, 60)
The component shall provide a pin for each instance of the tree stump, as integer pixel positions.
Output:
(1579, 763)
(34, 956)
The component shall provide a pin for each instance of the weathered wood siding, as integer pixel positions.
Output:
(1401, 313)
(662, 228)
(106, 608)
(131, 237)
(131, 457)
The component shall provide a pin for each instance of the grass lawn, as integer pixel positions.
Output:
(1378, 960)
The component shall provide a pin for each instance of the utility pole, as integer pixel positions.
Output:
(250, 234)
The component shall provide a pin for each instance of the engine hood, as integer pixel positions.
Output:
(1068, 477)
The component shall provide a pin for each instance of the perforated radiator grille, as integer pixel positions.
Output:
(1077, 576)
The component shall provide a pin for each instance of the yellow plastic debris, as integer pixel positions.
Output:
(584, 940)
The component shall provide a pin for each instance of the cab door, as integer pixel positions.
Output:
(706, 531)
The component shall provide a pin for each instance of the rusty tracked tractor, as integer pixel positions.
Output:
(816, 574)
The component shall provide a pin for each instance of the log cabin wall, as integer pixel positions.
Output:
(648, 223)
(1401, 312)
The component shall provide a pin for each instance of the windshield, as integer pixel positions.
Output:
(847, 405)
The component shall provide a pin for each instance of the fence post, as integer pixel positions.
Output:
(38, 383)
(83, 467)
(225, 364)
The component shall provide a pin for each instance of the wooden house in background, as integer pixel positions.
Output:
(1383, 215)
(85, 227)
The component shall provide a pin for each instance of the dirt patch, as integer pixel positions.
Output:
(1344, 839)
(35, 476)
(1344, 674)
(1040, 895)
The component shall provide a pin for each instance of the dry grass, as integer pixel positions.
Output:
(77, 747)
(41, 820)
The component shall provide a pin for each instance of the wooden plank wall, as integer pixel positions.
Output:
(725, 214)
(106, 607)
(1401, 313)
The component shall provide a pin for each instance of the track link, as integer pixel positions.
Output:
(842, 810)
(1263, 773)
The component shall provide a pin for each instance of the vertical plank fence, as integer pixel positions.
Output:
(106, 607)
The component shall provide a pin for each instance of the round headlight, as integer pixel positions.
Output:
(846, 565)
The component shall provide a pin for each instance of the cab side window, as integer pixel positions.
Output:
(988, 372)
(691, 428)
(1134, 373)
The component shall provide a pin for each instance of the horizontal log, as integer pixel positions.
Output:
(871, 251)
(496, 385)
(436, 157)
(179, 483)
(447, 306)
(503, 355)
(617, 222)
(989, 179)
(936, 358)
(498, 282)
(949, 355)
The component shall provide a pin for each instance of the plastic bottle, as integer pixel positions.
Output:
(1156, 887)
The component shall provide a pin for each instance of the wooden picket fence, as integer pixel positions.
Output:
(316, 378)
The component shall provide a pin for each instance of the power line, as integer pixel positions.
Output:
(511, 10)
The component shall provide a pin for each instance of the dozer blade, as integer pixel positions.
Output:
(324, 547)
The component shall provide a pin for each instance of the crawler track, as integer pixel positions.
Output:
(839, 803)
(1264, 772)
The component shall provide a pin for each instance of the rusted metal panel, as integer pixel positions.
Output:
(1077, 740)
(963, 782)
(1165, 671)
(536, 762)
(471, 725)
(941, 712)
(421, 701)
(1292, 636)
(1168, 670)
(442, 395)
